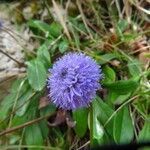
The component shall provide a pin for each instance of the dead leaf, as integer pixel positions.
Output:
(70, 122)
(115, 63)
(43, 102)
(59, 119)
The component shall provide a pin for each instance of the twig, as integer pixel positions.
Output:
(7, 79)
(24, 125)
(47, 7)
(11, 34)
(19, 63)
(61, 19)
(10, 75)
(141, 49)
(83, 18)
(6, 29)
(87, 143)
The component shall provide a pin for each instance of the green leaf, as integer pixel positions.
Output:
(44, 128)
(8, 101)
(14, 139)
(122, 25)
(23, 99)
(50, 109)
(109, 74)
(36, 74)
(129, 36)
(102, 59)
(141, 106)
(17, 120)
(98, 131)
(122, 86)
(78, 26)
(53, 48)
(15, 85)
(55, 29)
(123, 129)
(39, 25)
(144, 134)
(134, 67)
(33, 135)
(111, 97)
(104, 111)
(63, 46)
(100, 115)
(30, 113)
(43, 55)
(114, 98)
(23, 102)
(121, 98)
(80, 116)
(32, 110)
(6, 104)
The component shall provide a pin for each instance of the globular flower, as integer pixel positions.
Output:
(74, 80)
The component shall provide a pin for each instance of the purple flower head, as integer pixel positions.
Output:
(73, 81)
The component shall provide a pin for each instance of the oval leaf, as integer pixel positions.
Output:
(144, 134)
(63, 46)
(102, 59)
(33, 135)
(98, 131)
(103, 112)
(36, 74)
(134, 67)
(44, 55)
(122, 86)
(39, 25)
(123, 129)
(109, 74)
(81, 117)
